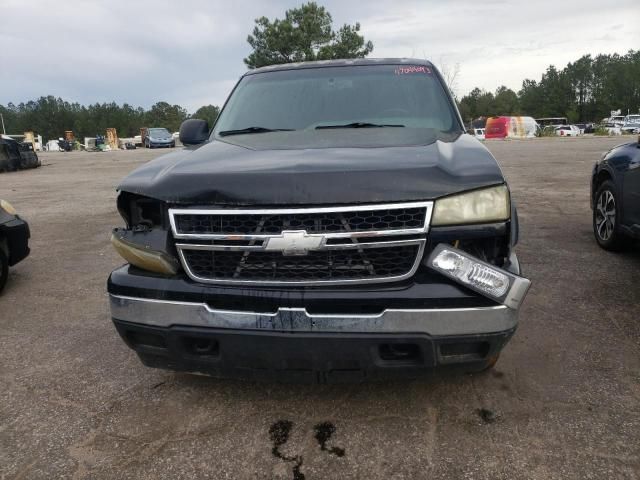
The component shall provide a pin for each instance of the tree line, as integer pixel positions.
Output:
(586, 90)
(304, 34)
(50, 117)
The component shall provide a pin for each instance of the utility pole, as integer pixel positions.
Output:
(2, 118)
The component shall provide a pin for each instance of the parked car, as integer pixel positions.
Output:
(567, 131)
(615, 196)
(631, 124)
(585, 128)
(14, 240)
(336, 224)
(16, 156)
(612, 128)
(478, 133)
(158, 137)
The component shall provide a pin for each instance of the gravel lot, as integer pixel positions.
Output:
(563, 401)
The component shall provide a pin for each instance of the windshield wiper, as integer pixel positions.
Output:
(358, 125)
(242, 131)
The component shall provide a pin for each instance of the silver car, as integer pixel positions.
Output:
(159, 137)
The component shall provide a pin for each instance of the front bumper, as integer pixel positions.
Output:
(433, 321)
(293, 345)
(308, 357)
(161, 143)
(309, 334)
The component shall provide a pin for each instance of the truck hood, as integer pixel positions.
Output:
(359, 167)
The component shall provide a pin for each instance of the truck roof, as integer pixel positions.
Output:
(341, 63)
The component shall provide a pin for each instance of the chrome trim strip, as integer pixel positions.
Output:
(301, 283)
(448, 321)
(428, 205)
(361, 234)
(338, 246)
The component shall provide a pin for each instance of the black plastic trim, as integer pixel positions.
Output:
(16, 232)
(307, 357)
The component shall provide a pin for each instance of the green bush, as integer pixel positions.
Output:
(546, 132)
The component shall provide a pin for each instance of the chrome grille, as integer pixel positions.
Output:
(302, 246)
(311, 222)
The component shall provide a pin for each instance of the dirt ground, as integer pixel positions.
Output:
(562, 403)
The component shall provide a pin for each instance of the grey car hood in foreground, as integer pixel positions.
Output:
(252, 170)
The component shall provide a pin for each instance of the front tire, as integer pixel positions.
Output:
(606, 217)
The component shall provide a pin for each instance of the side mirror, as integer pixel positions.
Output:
(194, 131)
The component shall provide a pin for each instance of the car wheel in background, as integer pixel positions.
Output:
(4, 269)
(606, 214)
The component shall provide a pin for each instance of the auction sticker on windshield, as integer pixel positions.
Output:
(402, 70)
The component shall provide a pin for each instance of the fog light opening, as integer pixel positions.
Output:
(400, 352)
(201, 346)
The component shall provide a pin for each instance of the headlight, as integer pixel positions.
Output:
(480, 206)
(144, 258)
(7, 207)
(484, 278)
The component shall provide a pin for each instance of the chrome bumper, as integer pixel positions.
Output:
(452, 321)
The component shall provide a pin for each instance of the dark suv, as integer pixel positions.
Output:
(615, 196)
(336, 224)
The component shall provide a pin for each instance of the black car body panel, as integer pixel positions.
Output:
(14, 241)
(621, 165)
(17, 156)
(221, 173)
(15, 232)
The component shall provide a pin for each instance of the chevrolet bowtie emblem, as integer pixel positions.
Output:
(294, 242)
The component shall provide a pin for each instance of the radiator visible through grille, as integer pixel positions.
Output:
(312, 246)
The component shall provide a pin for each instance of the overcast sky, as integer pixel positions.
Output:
(190, 52)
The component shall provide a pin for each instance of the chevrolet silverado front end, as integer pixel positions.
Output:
(336, 224)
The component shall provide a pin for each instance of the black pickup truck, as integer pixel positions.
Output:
(336, 224)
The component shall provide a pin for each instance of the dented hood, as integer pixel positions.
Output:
(358, 167)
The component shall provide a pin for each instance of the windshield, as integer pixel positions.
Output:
(317, 99)
(158, 131)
